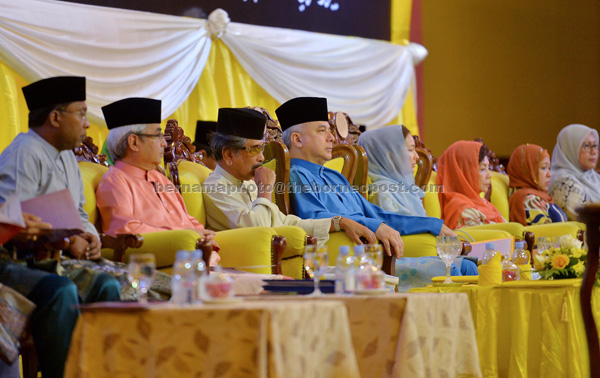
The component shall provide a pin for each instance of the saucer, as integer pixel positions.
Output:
(222, 300)
(379, 291)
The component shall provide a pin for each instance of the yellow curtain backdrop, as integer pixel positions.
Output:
(223, 83)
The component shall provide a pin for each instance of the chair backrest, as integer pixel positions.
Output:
(362, 171)
(277, 158)
(344, 130)
(191, 176)
(91, 174)
(349, 160)
(499, 193)
(424, 166)
(431, 201)
(590, 215)
(88, 151)
(273, 131)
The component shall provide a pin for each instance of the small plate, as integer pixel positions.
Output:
(222, 300)
(371, 291)
(456, 279)
(448, 284)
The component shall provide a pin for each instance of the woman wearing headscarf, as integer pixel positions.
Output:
(463, 173)
(391, 164)
(392, 159)
(574, 179)
(529, 173)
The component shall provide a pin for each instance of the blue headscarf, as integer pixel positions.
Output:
(390, 170)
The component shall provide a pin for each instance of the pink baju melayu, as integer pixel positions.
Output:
(133, 200)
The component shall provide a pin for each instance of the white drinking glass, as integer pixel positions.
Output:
(315, 263)
(142, 267)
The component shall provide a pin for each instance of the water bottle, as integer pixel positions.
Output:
(198, 271)
(520, 256)
(489, 253)
(182, 280)
(344, 271)
(360, 258)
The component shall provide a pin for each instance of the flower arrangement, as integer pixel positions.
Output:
(566, 261)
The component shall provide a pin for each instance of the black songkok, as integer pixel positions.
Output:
(132, 111)
(53, 91)
(241, 122)
(302, 109)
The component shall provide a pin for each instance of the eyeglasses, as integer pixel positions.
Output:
(589, 147)
(82, 113)
(254, 150)
(160, 135)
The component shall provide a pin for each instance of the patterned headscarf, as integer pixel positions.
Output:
(565, 160)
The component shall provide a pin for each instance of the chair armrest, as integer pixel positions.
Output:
(248, 247)
(120, 243)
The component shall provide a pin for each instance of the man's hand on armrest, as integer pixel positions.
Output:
(391, 240)
(355, 231)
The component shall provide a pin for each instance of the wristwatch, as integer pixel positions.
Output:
(336, 222)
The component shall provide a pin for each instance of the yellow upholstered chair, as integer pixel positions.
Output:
(163, 244)
(242, 247)
(499, 197)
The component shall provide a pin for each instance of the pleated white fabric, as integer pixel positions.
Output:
(122, 53)
(128, 53)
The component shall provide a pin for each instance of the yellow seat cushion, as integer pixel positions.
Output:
(431, 201)
(499, 197)
(91, 174)
(191, 178)
(336, 164)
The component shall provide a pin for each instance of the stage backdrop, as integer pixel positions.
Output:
(196, 67)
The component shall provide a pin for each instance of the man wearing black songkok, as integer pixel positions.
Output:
(204, 132)
(39, 162)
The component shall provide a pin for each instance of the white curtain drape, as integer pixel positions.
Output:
(122, 53)
(366, 78)
(137, 54)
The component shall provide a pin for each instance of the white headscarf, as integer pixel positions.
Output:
(389, 167)
(565, 160)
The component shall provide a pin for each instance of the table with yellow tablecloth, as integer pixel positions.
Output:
(528, 328)
(246, 339)
(408, 335)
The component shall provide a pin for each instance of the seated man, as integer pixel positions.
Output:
(40, 162)
(231, 201)
(128, 196)
(319, 192)
(204, 133)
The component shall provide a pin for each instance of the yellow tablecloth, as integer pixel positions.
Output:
(535, 330)
(248, 339)
(409, 335)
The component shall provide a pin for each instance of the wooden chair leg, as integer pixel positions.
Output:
(29, 355)
(590, 215)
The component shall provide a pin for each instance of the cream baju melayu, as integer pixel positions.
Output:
(232, 203)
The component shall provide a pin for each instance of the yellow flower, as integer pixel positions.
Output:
(577, 253)
(560, 261)
(538, 262)
(579, 268)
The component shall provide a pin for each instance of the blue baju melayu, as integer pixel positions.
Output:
(319, 192)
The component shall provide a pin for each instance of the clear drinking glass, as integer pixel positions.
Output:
(375, 253)
(448, 248)
(315, 263)
(141, 271)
